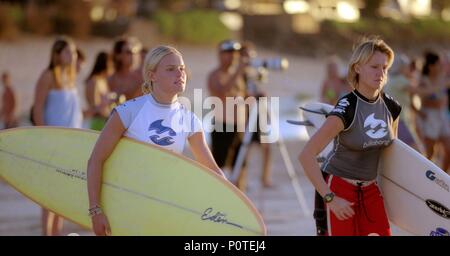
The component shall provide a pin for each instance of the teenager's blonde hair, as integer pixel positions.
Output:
(151, 62)
(363, 52)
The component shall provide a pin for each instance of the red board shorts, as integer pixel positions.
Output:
(370, 215)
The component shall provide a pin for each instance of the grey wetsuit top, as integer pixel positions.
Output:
(368, 128)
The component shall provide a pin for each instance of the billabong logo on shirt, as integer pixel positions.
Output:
(342, 104)
(159, 128)
(377, 127)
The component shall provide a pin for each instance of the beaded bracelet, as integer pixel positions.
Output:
(96, 210)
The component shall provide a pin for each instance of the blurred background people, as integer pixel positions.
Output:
(126, 81)
(99, 98)
(254, 77)
(435, 124)
(9, 103)
(400, 87)
(227, 80)
(334, 86)
(81, 60)
(56, 103)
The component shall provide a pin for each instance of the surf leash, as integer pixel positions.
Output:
(320, 112)
(304, 123)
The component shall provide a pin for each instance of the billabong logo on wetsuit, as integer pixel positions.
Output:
(342, 104)
(159, 128)
(377, 127)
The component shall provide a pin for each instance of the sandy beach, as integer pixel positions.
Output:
(25, 60)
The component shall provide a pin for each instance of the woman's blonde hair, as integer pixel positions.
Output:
(151, 62)
(363, 52)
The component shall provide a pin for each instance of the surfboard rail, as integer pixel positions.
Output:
(32, 148)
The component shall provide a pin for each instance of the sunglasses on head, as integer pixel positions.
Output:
(230, 46)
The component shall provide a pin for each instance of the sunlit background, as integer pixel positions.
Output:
(306, 32)
(209, 21)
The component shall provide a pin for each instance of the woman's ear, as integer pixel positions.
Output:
(357, 69)
(151, 75)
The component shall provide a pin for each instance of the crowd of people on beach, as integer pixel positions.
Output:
(149, 82)
(123, 75)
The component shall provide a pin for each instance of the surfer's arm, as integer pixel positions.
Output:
(40, 95)
(395, 127)
(201, 152)
(90, 96)
(330, 129)
(106, 142)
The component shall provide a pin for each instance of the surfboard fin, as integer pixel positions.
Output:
(321, 159)
(304, 123)
(320, 112)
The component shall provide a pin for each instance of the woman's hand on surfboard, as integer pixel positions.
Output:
(341, 208)
(100, 225)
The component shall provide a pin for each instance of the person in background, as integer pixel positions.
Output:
(334, 86)
(143, 53)
(57, 103)
(126, 80)
(100, 100)
(253, 78)
(400, 87)
(432, 89)
(8, 104)
(447, 75)
(227, 80)
(81, 60)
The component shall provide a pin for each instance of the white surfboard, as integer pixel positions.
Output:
(416, 191)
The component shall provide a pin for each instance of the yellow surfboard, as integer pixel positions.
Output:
(146, 190)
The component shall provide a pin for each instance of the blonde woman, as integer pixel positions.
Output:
(362, 124)
(165, 77)
(56, 103)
